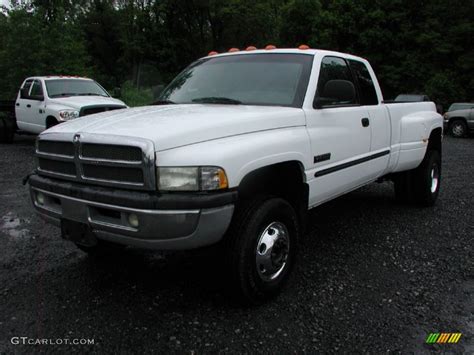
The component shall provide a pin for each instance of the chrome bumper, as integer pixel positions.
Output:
(156, 229)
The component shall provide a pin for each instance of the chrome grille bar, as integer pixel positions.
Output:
(97, 159)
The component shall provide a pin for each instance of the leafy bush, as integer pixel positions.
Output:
(134, 96)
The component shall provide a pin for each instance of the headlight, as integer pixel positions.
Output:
(68, 114)
(191, 178)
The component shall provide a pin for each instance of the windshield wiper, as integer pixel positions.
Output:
(163, 102)
(90, 94)
(217, 100)
(64, 94)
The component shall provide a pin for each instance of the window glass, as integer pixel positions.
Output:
(333, 68)
(36, 89)
(368, 95)
(257, 79)
(73, 87)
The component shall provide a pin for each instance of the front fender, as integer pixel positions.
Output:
(242, 154)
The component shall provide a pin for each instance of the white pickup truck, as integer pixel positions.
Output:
(45, 101)
(236, 151)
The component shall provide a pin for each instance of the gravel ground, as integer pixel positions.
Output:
(372, 276)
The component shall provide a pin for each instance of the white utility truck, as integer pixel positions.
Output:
(45, 101)
(238, 148)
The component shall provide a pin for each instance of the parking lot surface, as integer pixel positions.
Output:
(372, 275)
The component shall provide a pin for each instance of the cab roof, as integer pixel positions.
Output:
(309, 51)
(54, 77)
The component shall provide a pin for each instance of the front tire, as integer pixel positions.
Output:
(458, 129)
(262, 248)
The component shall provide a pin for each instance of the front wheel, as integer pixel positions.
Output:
(262, 247)
(458, 129)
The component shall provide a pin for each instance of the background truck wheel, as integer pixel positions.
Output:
(420, 185)
(7, 129)
(51, 122)
(261, 247)
(458, 129)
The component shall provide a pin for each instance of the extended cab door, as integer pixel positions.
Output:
(340, 133)
(30, 107)
(379, 119)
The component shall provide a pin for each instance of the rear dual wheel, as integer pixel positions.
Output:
(420, 185)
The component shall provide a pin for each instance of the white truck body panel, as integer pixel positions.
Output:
(243, 138)
(31, 114)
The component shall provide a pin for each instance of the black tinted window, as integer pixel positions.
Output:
(333, 69)
(368, 95)
(36, 89)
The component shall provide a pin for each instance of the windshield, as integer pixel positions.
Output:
(455, 107)
(251, 79)
(74, 87)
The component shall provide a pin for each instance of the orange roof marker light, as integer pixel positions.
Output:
(211, 53)
(303, 47)
(234, 50)
(251, 48)
(270, 46)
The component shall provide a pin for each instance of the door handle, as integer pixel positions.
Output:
(28, 105)
(365, 122)
(18, 104)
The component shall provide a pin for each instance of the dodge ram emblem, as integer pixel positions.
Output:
(77, 137)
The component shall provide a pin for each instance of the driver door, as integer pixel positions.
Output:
(340, 135)
(35, 120)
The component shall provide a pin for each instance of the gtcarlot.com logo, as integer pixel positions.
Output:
(58, 341)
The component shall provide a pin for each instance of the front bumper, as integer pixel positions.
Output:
(166, 221)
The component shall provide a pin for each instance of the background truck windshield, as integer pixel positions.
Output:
(74, 87)
(257, 79)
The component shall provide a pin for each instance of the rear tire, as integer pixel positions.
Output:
(261, 249)
(458, 129)
(420, 185)
(7, 129)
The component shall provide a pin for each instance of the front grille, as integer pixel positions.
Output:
(112, 173)
(56, 147)
(93, 159)
(112, 152)
(97, 109)
(58, 167)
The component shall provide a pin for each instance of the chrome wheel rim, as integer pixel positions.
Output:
(272, 251)
(434, 178)
(458, 129)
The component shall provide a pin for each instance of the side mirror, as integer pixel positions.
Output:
(336, 92)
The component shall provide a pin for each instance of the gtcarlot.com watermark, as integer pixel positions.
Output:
(51, 341)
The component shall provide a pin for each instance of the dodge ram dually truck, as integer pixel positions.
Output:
(43, 102)
(238, 148)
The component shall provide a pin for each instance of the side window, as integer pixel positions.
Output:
(335, 84)
(24, 91)
(368, 95)
(36, 89)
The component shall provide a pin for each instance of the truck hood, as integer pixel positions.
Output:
(78, 102)
(173, 126)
